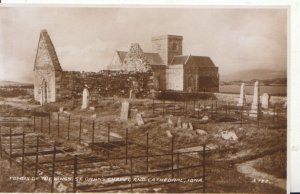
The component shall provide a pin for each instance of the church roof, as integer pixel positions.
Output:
(51, 50)
(152, 58)
(193, 60)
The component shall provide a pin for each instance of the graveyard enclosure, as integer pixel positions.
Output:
(157, 139)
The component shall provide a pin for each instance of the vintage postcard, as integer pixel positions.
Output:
(143, 99)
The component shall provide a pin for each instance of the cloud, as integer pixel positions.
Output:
(86, 38)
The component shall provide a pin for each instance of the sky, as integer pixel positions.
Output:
(85, 39)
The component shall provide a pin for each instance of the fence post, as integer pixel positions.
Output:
(131, 177)
(277, 116)
(58, 124)
(194, 107)
(34, 123)
(216, 107)
(242, 110)
(10, 147)
(53, 168)
(174, 108)
(198, 110)
(80, 120)
(49, 127)
(147, 153)
(41, 124)
(126, 145)
(108, 139)
(226, 110)
(36, 161)
(177, 159)
(163, 108)
(203, 168)
(93, 135)
(0, 141)
(69, 126)
(74, 174)
(172, 155)
(23, 152)
(274, 113)
(258, 115)
(153, 106)
(186, 106)
(212, 109)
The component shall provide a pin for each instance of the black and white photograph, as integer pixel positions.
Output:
(143, 99)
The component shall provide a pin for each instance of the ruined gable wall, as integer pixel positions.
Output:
(44, 72)
(48, 76)
(105, 83)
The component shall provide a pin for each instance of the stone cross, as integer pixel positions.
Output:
(256, 101)
(125, 110)
(242, 99)
(265, 98)
(85, 98)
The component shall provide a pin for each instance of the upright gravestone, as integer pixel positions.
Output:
(242, 99)
(265, 98)
(255, 110)
(285, 105)
(85, 98)
(185, 126)
(139, 119)
(179, 123)
(170, 120)
(125, 110)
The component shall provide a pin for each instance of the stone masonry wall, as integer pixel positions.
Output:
(192, 71)
(105, 83)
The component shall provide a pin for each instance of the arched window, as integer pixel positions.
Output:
(191, 84)
(44, 92)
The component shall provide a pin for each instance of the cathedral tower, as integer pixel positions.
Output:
(167, 46)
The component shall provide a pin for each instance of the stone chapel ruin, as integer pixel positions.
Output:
(132, 71)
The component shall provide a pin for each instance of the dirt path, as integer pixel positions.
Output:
(248, 169)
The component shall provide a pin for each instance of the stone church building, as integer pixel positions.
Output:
(172, 70)
(163, 69)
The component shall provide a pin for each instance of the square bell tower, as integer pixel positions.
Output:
(167, 46)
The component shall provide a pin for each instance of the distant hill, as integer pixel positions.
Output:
(265, 82)
(14, 84)
(247, 75)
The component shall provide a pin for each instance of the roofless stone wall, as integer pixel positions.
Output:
(105, 83)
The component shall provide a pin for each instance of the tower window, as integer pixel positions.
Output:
(175, 46)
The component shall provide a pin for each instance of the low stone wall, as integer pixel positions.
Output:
(233, 98)
(183, 96)
(106, 83)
